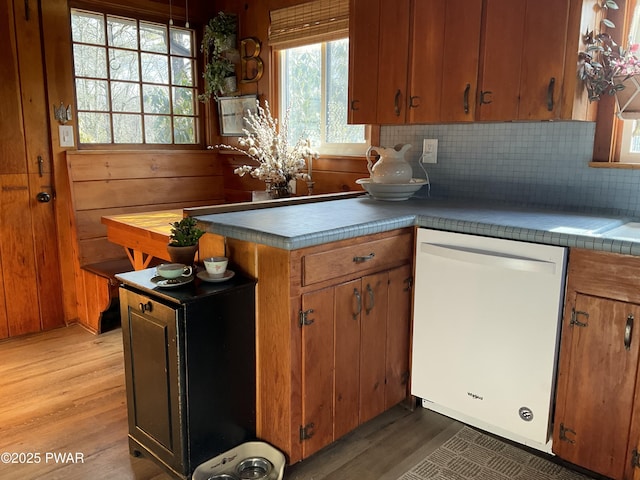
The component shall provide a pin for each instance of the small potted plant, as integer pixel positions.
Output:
(220, 33)
(218, 46)
(183, 241)
(606, 68)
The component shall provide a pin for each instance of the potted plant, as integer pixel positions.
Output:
(219, 78)
(220, 33)
(606, 68)
(183, 241)
(218, 45)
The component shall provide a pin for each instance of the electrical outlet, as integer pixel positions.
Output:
(429, 150)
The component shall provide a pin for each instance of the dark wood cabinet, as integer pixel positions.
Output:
(355, 357)
(189, 369)
(514, 83)
(597, 402)
(333, 329)
(445, 49)
(469, 60)
(378, 59)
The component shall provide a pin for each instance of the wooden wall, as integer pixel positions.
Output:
(57, 53)
(130, 182)
(52, 18)
(331, 174)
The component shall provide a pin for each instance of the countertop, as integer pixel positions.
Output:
(298, 226)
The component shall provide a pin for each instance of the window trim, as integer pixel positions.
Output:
(609, 128)
(326, 149)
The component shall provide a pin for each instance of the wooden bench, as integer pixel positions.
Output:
(116, 182)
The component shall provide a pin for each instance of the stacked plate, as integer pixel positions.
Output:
(393, 192)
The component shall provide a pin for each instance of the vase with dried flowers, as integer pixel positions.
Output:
(607, 68)
(266, 142)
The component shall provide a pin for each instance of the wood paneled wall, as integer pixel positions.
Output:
(331, 174)
(106, 184)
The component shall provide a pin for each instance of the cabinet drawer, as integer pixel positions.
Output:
(369, 255)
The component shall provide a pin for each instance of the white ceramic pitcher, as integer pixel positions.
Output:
(391, 167)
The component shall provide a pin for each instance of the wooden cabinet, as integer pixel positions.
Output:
(469, 60)
(597, 406)
(355, 339)
(333, 327)
(445, 48)
(378, 59)
(523, 58)
(189, 369)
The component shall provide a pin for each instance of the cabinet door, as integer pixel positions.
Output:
(318, 370)
(348, 305)
(444, 60)
(373, 334)
(393, 61)
(151, 354)
(595, 394)
(515, 83)
(364, 25)
(545, 30)
(398, 331)
(499, 85)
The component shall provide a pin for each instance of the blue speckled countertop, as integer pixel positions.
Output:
(297, 226)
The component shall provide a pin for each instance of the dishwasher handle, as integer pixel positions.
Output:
(489, 258)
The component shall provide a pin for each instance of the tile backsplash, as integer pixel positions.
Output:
(535, 163)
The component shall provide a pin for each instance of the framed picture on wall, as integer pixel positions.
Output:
(232, 111)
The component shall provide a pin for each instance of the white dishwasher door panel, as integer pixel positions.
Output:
(486, 322)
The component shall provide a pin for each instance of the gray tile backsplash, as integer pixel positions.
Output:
(537, 163)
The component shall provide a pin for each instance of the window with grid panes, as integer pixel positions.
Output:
(135, 80)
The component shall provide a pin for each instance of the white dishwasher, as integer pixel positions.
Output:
(486, 331)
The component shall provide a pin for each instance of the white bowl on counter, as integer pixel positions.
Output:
(392, 192)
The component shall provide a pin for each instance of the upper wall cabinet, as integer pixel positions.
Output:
(428, 61)
(445, 48)
(523, 59)
(378, 59)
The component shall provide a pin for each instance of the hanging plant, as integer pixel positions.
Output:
(218, 41)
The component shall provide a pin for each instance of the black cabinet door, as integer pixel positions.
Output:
(150, 335)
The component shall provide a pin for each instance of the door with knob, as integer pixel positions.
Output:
(30, 289)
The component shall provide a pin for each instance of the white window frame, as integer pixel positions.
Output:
(327, 149)
(626, 155)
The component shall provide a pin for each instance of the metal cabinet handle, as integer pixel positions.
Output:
(371, 299)
(356, 294)
(146, 307)
(465, 98)
(628, 331)
(413, 104)
(364, 259)
(40, 166)
(396, 102)
(353, 105)
(552, 84)
(483, 101)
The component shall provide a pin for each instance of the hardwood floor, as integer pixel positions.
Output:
(63, 393)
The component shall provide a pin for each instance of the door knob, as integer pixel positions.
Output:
(43, 197)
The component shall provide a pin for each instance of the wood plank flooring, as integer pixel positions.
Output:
(63, 392)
